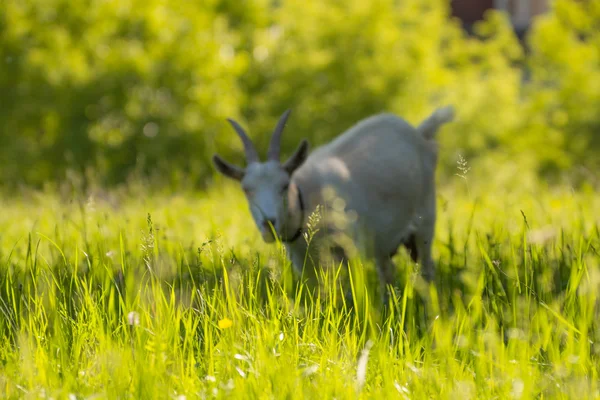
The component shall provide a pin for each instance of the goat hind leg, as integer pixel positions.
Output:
(423, 240)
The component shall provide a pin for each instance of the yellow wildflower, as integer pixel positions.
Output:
(225, 323)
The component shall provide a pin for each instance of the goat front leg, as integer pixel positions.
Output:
(385, 269)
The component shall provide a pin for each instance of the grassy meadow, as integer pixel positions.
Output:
(131, 295)
(159, 286)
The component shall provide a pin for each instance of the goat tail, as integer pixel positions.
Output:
(430, 126)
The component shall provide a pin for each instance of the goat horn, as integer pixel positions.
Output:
(275, 145)
(251, 154)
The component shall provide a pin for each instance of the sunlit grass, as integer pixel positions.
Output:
(169, 296)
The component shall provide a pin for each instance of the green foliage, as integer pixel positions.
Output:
(113, 85)
(103, 90)
(565, 87)
(160, 297)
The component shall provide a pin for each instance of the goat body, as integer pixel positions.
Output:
(383, 170)
(379, 176)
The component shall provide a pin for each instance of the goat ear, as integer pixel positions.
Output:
(297, 158)
(228, 169)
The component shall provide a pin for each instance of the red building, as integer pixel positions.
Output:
(520, 11)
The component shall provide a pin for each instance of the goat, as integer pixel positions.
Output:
(380, 173)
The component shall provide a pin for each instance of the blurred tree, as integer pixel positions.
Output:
(565, 87)
(111, 86)
(104, 89)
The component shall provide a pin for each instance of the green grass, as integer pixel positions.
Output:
(168, 296)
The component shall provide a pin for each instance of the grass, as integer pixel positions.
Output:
(120, 296)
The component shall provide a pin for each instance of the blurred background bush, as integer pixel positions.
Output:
(105, 91)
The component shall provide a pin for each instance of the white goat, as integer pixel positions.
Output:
(381, 173)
